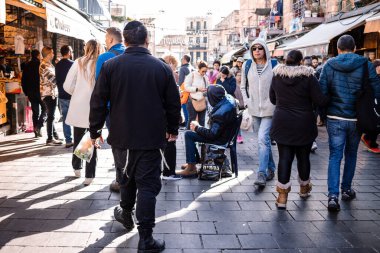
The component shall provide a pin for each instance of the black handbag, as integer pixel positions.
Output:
(368, 117)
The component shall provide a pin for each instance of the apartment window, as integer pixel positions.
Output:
(198, 40)
(192, 55)
(205, 56)
(205, 25)
(198, 25)
(190, 40)
(204, 39)
(191, 25)
(198, 55)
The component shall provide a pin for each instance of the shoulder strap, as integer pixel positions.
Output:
(273, 62)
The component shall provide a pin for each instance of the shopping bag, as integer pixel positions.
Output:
(85, 149)
(29, 128)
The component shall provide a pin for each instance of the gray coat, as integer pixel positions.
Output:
(258, 103)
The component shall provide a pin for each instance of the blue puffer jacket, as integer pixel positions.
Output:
(222, 119)
(341, 80)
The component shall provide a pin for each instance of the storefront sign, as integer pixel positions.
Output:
(67, 22)
(3, 12)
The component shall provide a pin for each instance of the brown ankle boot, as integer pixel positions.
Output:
(282, 197)
(305, 190)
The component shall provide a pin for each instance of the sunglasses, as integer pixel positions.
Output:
(257, 48)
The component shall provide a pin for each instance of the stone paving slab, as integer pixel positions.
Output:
(43, 208)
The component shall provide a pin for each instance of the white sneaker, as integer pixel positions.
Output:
(172, 177)
(314, 147)
(77, 173)
(87, 181)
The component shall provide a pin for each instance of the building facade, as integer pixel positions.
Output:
(198, 38)
(172, 45)
(226, 35)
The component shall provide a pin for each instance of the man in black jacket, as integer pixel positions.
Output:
(30, 82)
(145, 109)
(222, 118)
(61, 70)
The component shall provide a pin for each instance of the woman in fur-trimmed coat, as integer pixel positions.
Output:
(294, 91)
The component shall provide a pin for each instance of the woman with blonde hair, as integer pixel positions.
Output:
(173, 63)
(79, 83)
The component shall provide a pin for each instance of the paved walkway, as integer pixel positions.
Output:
(44, 209)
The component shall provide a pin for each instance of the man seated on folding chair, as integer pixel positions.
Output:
(222, 119)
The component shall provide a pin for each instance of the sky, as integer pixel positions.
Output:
(170, 14)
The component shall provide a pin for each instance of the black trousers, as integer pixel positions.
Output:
(38, 116)
(193, 115)
(171, 158)
(286, 157)
(50, 105)
(143, 181)
(76, 162)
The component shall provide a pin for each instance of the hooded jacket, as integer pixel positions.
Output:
(294, 91)
(341, 79)
(222, 116)
(258, 102)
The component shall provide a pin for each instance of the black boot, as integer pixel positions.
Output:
(124, 217)
(147, 244)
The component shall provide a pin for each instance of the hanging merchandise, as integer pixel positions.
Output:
(19, 44)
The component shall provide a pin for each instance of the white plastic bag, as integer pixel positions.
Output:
(85, 149)
(246, 122)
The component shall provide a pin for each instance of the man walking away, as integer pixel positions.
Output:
(141, 90)
(115, 47)
(31, 86)
(342, 79)
(61, 70)
(48, 89)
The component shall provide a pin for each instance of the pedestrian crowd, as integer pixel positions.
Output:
(126, 89)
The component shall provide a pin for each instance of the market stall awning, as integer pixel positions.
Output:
(320, 37)
(41, 12)
(372, 24)
(227, 57)
(64, 20)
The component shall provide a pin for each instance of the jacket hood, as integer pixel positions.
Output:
(291, 74)
(215, 94)
(261, 42)
(292, 71)
(347, 62)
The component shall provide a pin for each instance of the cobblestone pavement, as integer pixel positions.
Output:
(44, 209)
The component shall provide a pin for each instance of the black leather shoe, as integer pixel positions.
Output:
(147, 244)
(114, 186)
(124, 217)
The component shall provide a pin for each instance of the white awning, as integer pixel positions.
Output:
(226, 58)
(321, 35)
(66, 21)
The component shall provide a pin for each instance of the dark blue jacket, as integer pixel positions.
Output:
(229, 84)
(222, 118)
(61, 70)
(341, 79)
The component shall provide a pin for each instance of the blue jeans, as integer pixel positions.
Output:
(185, 113)
(343, 136)
(64, 104)
(262, 126)
(192, 155)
